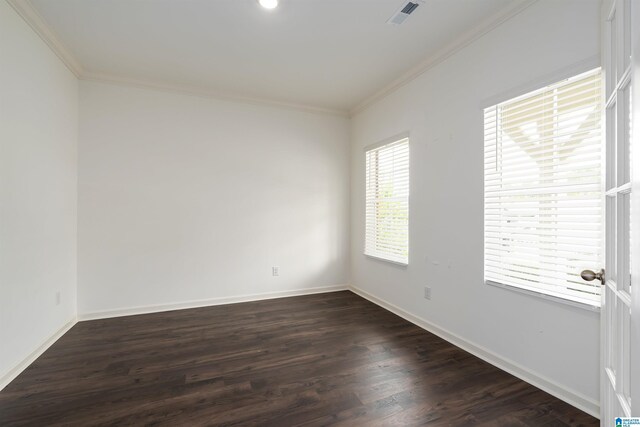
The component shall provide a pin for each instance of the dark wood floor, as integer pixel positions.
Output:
(328, 359)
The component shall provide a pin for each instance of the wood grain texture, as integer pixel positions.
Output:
(326, 359)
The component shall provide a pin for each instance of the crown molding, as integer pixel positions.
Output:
(206, 93)
(464, 40)
(32, 17)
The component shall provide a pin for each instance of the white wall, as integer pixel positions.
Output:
(38, 192)
(442, 111)
(185, 199)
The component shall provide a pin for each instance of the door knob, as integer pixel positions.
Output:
(589, 275)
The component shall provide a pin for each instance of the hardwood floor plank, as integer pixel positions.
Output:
(317, 360)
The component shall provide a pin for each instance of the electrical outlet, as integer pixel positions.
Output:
(275, 271)
(427, 292)
(58, 298)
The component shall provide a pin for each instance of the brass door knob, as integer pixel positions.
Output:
(589, 275)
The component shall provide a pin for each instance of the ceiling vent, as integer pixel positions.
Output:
(407, 8)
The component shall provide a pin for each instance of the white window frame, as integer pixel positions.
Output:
(370, 247)
(540, 292)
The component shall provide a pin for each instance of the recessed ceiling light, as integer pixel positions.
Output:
(268, 4)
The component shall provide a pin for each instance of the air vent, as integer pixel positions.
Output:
(409, 7)
(403, 13)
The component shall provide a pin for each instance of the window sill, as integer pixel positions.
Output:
(390, 261)
(578, 304)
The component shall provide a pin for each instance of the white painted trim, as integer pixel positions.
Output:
(32, 17)
(402, 264)
(21, 366)
(464, 40)
(35, 20)
(584, 305)
(572, 70)
(572, 397)
(207, 93)
(131, 311)
(24, 364)
(395, 138)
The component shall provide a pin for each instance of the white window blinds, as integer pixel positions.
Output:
(543, 217)
(387, 202)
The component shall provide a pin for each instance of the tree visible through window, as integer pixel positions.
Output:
(387, 201)
(543, 191)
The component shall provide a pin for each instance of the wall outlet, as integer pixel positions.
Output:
(427, 292)
(58, 298)
(275, 271)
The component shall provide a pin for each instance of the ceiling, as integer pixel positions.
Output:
(326, 54)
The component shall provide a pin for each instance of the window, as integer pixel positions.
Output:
(387, 202)
(543, 221)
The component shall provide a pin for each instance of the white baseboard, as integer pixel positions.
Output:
(17, 370)
(24, 364)
(572, 397)
(130, 311)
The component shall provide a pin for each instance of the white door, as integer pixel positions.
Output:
(635, 209)
(618, 342)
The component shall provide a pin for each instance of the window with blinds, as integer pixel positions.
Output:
(387, 202)
(543, 197)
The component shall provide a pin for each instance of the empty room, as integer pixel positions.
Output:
(319, 212)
